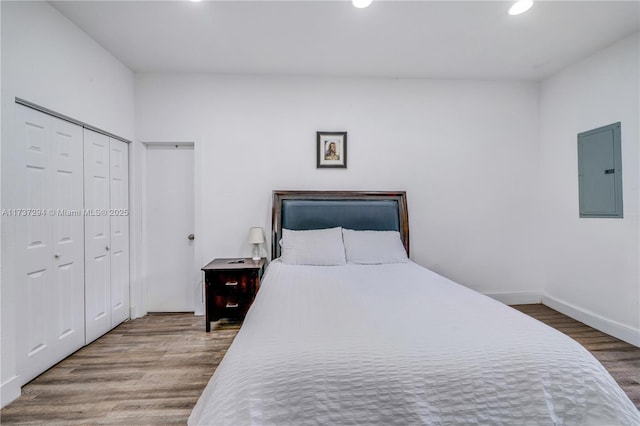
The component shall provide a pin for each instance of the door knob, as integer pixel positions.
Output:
(107, 248)
(191, 237)
(56, 256)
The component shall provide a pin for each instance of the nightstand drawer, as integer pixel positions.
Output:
(229, 302)
(233, 281)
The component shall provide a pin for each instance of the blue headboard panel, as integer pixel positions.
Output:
(302, 210)
(376, 215)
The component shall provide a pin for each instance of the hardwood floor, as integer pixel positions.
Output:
(147, 371)
(152, 370)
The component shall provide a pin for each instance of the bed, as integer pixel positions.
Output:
(381, 340)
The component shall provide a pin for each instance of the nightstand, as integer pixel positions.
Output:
(230, 287)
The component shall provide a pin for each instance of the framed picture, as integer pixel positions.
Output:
(331, 150)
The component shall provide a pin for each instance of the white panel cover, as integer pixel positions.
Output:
(399, 344)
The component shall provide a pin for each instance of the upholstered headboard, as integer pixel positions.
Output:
(302, 210)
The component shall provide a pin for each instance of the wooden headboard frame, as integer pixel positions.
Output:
(279, 196)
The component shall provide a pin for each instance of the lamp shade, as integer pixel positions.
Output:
(256, 235)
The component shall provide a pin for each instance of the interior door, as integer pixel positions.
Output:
(119, 228)
(50, 245)
(172, 279)
(97, 235)
(36, 289)
(68, 235)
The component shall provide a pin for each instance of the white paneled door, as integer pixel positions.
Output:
(119, 230)
(172, 276)
(50, 260)
(97, 235)
(106, 233)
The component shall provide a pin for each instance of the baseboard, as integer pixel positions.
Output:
(522, 298)
(9, 391)
(612, 328)
(199, 310)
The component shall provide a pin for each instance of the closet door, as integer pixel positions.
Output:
(119, 225)
(97, 235)
(49, 232)
(68, 235)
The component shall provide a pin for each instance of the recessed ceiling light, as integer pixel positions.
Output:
(361, 4)
(520, 6)
(196, 1)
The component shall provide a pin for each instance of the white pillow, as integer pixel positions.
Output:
(374, 247)
(314, 247)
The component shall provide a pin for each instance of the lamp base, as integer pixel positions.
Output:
(255, 252)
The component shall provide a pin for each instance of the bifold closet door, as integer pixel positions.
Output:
(97, 235)
(50, 256)
(106, 200)
(119, 228)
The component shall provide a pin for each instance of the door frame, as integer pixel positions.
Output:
(197, 200)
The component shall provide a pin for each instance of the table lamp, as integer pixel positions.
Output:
(256, 237)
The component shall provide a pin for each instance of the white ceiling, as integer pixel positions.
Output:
(433, 39)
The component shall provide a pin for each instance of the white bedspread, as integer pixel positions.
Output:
(399, 344)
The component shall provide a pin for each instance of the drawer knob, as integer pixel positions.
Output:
(231, 283)
(232, 305)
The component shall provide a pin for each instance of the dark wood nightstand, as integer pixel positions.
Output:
(230, 287)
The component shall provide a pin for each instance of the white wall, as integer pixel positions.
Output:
(49, 61)
(466, 153)
(592, 265)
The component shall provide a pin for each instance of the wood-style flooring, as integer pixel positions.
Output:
(152, 370)
(147, 371)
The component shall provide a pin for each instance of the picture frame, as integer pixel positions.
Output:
(331, 150)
